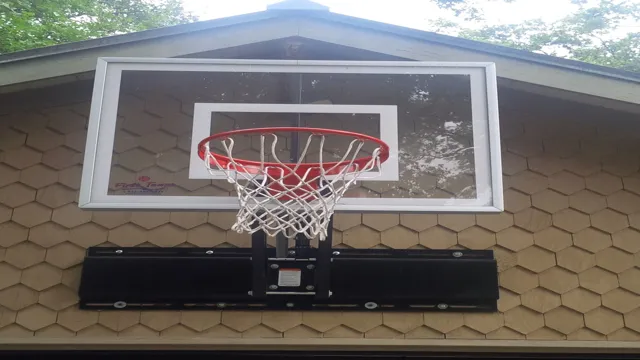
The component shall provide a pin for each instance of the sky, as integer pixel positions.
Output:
(408, 13)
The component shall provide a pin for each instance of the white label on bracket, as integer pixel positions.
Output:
(289, 277)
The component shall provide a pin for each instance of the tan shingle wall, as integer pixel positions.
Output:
(568, 245)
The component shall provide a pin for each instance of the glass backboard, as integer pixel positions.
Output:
(148, 115)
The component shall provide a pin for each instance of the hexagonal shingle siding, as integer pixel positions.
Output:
(568, 244)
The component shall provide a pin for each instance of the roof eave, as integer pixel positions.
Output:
(479, 46)
(420, 35)
(136, 36)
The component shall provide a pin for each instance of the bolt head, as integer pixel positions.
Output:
(273, 287)
(290, 305)
(209, 252)
(119, 251)
(120, 305)
(443, 306)
(336, 253)
(371, 305)
(310, 287)
(311, 266)
(274, 266)
(457, 254)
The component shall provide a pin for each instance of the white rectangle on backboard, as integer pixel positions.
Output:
(388, 115)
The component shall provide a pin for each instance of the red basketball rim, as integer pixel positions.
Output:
(304, 168)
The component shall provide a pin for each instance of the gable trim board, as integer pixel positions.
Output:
(182, 40)
(323, 345)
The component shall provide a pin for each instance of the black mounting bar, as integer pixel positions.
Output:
(307, 279)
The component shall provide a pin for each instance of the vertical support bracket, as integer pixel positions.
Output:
(282, 246)
(259, 261)
(323, 264)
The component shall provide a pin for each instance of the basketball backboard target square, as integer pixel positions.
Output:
(204, 116)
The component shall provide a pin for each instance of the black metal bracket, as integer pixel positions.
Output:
(259, 263)
(329, 279)
(311, 266)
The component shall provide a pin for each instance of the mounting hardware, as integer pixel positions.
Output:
(274, 266)
(371, 305)
(120, 305)
(119, 251)
(457, 254)
(290, 305)
(336, 253)
(209, 252)
(316, 289)
(292, 252)
(311, 266)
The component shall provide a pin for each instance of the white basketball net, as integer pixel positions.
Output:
(268, 204)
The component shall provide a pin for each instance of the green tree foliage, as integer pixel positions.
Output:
(600, 32)
(27, 24)
(468, 10)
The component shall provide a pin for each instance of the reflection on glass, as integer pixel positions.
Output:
(436, 152)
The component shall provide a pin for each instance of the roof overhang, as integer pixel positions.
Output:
(565, 78)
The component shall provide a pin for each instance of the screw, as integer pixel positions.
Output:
(290, 305)
(336, 253)
(311, 266)
(310, 287)
(457, 254)
(209, 252)
(119, 251)
(371, 305)
(292, 252)
(250, 293)
(274, 266)
(221, 305)
(120, 305)
(273, 287)
(443, 306)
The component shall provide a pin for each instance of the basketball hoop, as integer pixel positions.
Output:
(291, 198)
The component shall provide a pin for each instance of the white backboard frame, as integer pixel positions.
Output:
(203, 119)
(103, 117)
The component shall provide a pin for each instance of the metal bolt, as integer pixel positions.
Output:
(209, 252)
(292, 252)
(290, 305)
(119, 251)
(336, 253)
(311, 266)
(274, 266)
(443, 306)
(457, 254)
(120, 305)
(371, 305)
(221, 305)
(310, 287)
(273, 287)
(250, 293)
